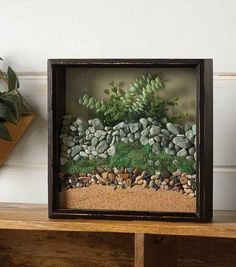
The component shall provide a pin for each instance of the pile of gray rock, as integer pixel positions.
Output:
(92, 139)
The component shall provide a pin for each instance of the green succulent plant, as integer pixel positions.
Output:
(142, 99)
(12, 104)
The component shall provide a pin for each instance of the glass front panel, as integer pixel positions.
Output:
(128, 140)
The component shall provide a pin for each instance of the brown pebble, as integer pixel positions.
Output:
(136, 171)
(166, 180)
(153, 177)
(183, 179)
(138, 178)
(111, 175)
(140, 182)
(158, 181)
(189, 190)
(104, 175)
(123, 175)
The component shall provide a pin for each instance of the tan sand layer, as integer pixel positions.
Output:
(137, 198)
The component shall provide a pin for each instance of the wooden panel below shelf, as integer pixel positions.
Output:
(65, 249)
(186, 251)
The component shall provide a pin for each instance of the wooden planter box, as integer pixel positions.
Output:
(16, 131)
(59, 75)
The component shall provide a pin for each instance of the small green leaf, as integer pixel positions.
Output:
(114, 89)
(106, 91)
(13, 81)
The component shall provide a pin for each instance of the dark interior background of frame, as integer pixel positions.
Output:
(56, 108)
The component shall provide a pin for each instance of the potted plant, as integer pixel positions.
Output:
(15, 116)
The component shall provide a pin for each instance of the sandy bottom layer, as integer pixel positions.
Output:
(137, 198)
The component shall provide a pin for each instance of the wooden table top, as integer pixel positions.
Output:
(35, 217)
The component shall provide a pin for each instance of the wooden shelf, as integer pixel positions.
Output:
(34, 217)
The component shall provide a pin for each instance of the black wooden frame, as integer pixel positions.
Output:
(56, 108)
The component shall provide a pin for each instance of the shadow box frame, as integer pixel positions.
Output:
(204, 121)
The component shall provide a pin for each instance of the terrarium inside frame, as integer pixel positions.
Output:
(124, 139)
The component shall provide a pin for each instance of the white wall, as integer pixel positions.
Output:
(32, 31)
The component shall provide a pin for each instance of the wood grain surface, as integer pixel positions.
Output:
(34, 217)
(65, 249)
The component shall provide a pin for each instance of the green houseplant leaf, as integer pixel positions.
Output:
(6, 114)
(4, 134)
(13, 81)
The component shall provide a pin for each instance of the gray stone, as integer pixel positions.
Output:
(195, 155)
(182, 142)
(76, 157)
(111, 151)
(73, 128)
(92, 130)
(172, 128)
(155, 130)
(171, 145)
(108, 128)
(137, 136)
(144, 140)
(189, 135)
(109, 138)
(102, 147)
(122, 133)
(102, 156)
(83, 154)
(190, 158)
(194, 129)
(99, 133)
(131, 139)
(94, 141)
(150, 119)
(134, 127)
(156, 148)
(144, 122)
(82, 128)
(125, 140)
(97, 124)
(75, 150)
(157, 138)
(126, 129)
(119, 126)
(113, 140)
(89, 137)
(164, 142)
(115, 133)
(182, 153)
(166, 132)
(78, 121)
(145, 132)
(151, 141)
(152, 184)
(192, 150)
(94, 153)
(70, 143)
